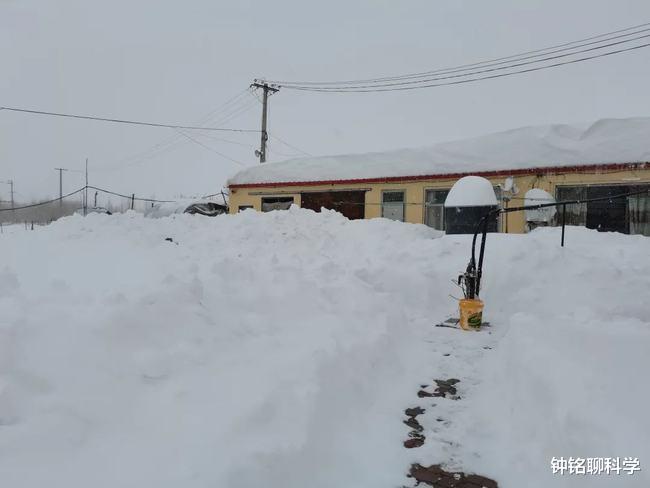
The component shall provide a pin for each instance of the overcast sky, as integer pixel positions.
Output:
(176, 62)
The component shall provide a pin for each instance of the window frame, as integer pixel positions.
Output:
(426, 205)
(394, 204)
(280, 197)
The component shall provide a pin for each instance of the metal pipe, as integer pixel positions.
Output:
(563, 221)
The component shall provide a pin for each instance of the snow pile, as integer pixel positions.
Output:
(250, 350)
(471, 191)
(281, 349)
(165, 209)
(602, 142)
(568, 376)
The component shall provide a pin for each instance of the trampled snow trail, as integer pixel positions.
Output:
(281, 350)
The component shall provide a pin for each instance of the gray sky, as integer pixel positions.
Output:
(171, 61)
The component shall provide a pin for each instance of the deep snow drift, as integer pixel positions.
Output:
(281, 349)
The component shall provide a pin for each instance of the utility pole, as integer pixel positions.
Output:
(86, 191)
(60, 170)
(265, 102)
(13, 212)
(11, 182)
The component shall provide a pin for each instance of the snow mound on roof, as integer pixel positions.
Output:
(602, 142)
(471, 191)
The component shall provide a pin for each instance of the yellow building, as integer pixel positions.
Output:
(570, 162)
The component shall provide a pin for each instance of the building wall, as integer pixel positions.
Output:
(415, 191)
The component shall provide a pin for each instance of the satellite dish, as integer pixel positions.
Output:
(537, 196)
(257, 153)
(508, 184)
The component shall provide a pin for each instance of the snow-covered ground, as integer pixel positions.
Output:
(281, 349)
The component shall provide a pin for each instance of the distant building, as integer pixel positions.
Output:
(569, 162)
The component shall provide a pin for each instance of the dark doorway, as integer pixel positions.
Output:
(607, 215)
(349, 203)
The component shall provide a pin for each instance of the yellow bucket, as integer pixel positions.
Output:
(471, 314)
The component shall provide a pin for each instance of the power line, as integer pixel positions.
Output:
(291, 146)
(227, 141)
(44, 203)
(223, 111)
(245, 107)
(130, 197)
(210, 149)
(234, 100)
(401, 87)
(123, 121)
(406, 84)
(474, 64)
(237, 106)
(510, 66)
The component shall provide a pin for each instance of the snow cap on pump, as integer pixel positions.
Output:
(471, 191)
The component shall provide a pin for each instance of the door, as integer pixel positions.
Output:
(350, 203)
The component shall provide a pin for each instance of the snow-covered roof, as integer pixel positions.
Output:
(607, 141)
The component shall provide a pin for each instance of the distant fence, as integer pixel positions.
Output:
(81, 200)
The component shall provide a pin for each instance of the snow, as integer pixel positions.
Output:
(165, 209)
(602, 142)
(537, 196)
(568, 375)
(267, 350)
(471, 191)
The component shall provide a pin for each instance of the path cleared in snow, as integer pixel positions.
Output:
(281, 350)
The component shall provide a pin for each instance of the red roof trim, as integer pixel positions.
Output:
(446, 176)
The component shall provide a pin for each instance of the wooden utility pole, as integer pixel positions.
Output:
(13, 212)
(86, 191)
(11, 183)
(60, 170)
(265, 102)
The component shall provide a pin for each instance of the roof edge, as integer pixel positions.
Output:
(445, 176)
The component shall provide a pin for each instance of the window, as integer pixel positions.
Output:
(576, 214)
(392, 205)
(434, 208)
(244, 207)
(638, 208)
(349, 203)
(629, 215)
(276, 203)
